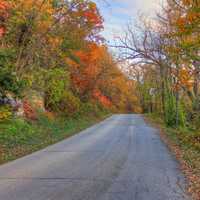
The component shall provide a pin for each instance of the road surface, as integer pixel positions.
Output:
(121, 158)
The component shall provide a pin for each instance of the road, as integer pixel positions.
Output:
(121, 158)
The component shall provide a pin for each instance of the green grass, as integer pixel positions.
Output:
(19, 137)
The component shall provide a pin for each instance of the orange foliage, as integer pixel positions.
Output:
(90, 12)
(2, 31)
(29, 112)
(85, 72)
(102, 99)
(188, 21)
(92, 15)
(49, 115)
(86, 17)
(185, 79)
(3, 16)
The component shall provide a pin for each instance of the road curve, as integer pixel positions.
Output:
(121, 158)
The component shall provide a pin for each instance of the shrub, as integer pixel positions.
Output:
(29, 112)
(170, 115)
(86, 108)
(16, 132)
(8, 79)
(5, 113)
(56, 84)
(69, 105)
(50, 116)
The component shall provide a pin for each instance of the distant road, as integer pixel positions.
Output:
(121, 158)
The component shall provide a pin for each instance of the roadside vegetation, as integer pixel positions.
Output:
(19, 137)
(182, 144)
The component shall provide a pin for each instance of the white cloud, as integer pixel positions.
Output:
(120, 12)
(144, 6)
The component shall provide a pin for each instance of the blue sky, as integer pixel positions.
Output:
(117, 13)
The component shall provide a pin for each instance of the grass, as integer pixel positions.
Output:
(19, 137)
(185, 144)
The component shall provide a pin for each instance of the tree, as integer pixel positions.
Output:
(4, 7)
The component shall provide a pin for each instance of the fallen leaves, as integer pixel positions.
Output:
(189, 159)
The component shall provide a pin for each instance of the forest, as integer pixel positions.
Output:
(164, 59)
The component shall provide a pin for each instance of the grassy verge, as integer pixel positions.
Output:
(186, 147)
(19, 137)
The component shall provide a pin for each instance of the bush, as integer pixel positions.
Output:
(8, 79)
(29, 111)
(86, 108)
(69, 105)
(55, 86)
(16, 132)
(50, 116)
(170, 115)
(5, 113)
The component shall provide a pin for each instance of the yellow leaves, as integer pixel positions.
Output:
(55, 42)
(174, 51)
(184, 78)
(5, 113)
(39, 9)
(181, 23)
(70, 62)
(32, 4)
(190, 40)
(92, 5)
(191, 16)
(187, 2)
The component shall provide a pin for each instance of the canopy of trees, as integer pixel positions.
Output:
(164, 57)
(55, 47)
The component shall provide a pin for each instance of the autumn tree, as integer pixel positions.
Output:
(169, 47)
(4, 7)
(55, 47)
(180, 22)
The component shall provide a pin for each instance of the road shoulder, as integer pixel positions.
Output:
(188, 158)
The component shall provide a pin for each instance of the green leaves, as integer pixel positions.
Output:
(9, 82)
(56, 82)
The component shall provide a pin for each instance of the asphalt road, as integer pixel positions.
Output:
(121, 158)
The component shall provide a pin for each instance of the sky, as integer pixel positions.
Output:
(118, 13)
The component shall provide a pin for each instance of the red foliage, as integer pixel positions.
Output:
(3, 5)
(3, 16)
(102, 99)
(86, 15)
(2, 31)
(84, 73)
(92, 15)
(29, 112)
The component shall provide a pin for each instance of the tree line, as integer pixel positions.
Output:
(55, 47)
(164, 58)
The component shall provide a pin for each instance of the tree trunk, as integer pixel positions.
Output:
(162, 74)
(177, 108)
